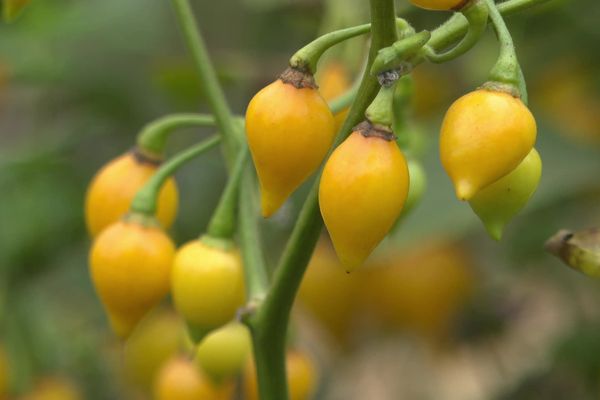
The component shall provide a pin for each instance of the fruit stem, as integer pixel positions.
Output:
(506, 71)
(401, 54)
(476, 14)
(306, 58)
(145, 200)
(223, 222)
(153, 137)
(380, 111)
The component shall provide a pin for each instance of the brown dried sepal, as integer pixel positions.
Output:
(368, 129)
(300, 79)
(145, 157)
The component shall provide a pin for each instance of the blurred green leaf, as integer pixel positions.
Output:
(12, 8)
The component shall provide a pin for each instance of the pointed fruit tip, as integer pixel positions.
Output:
(465, 191)
(121, 327)
(270, 204)
(495, 231)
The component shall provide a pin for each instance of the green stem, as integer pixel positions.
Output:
(343, 101)
(381, 110)
(222, 223)
(269, 324)
(399, 54)
(476, 14)
(306, 58)
(506, 71)
(153, 137)
(146, 198)
(210, 84)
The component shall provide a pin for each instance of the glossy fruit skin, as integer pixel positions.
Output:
(485, 135)
(179, 379)
(158, 337)
(334, 81)
(439, 5)
(301, 375)
(130, 264)
(207, 285)
(289, 132)
(113, 188)
(499, 202)
(224, 352)
(361, 194)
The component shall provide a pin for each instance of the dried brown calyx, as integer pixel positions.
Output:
(368, 129)
(299, 78)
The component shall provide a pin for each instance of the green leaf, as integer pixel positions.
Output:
(12, 8)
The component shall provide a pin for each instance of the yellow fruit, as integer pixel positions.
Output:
(54, 388)
(484, 136)
(4, 373)
(179, 379)
(207, 286)
(155, 340)
(334, 81)
(499, 202)
(301, 376)
(130, 264)
(113, 188)
(421, 290)
(361, 194)
(440, 5)
(289, 132)
(224, 352)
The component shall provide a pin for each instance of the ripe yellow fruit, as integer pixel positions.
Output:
(289, 130)
(207, 286)
(156, 339)
(499, 202)
(484, 136)
(301, 376)
(224, 352)
(130, 264)
(113, 188)
(334, 81)
(362, 192)
(179, 379)
(440, 5)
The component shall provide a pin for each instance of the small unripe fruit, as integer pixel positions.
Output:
(224, 352)
(362, 192)
(439, 5)
(179, 379)
(290, 129)
(499, 202)
(113, 188)
(130, 264)
(484, 136)
(207, 286)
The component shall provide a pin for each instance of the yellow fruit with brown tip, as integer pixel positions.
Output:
(485, 135)
(113, 188)
(290, 129)
(130, 265)
(362, 191)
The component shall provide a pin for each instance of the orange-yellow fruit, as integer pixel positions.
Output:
(289, 132)
(179, 379)
(207, 286)
(156, 339)
(130, 264)
(334, 81)
(301, 376)
(440, 5)
(484, 136)
(361, 194)
(113, 188)
(54, 388)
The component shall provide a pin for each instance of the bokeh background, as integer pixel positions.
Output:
(441, 311)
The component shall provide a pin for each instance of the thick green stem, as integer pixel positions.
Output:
(210, 84)
(476, 14)
(381, 111)
(145, 200)
(153, 137)
(306, 58)
(222, 223)
(400, 54)
(269, 324)
(506, 71)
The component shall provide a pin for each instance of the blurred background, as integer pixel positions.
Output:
(441, 311)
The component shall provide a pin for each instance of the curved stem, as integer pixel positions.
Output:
(381, 111)
(152, 138)
(210, 84)
(476, 14)
(222, 223)
(506, 70)
(398, 55)
(269, 323)
(146, 198)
